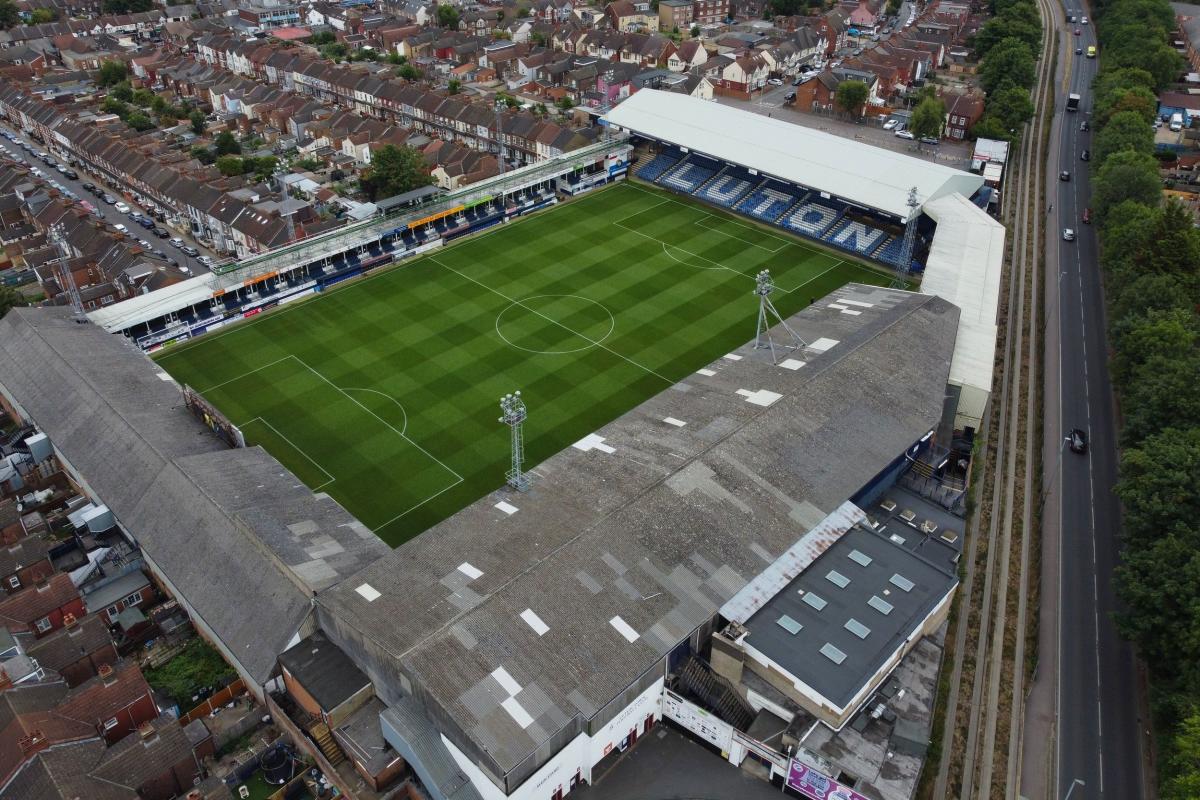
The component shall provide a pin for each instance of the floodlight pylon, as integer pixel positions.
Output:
(904, 262)
(513, 414)
(763, 287)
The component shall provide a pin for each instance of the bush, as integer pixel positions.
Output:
(196, 669)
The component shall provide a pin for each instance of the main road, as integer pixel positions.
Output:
(1085, 697)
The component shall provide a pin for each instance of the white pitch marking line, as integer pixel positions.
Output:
(708, 217)
(295, 447)
(514, 301)
(245, 374)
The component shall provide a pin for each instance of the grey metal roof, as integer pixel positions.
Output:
(622, 549)
(847, 621)
(231, 530)
(115, 590)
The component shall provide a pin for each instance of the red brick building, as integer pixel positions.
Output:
(116, 702)
(23, 563)
(77, 650)
(41, 608)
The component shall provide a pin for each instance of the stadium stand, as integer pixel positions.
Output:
(766, 202)
(690, 175)
(855, 236)
(813, 217)
(889, 253)
(727, 187)
(658, 165)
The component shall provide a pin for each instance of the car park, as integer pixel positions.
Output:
(1078, 441)
(1064, 176)
(1068, 235)
(903, 134)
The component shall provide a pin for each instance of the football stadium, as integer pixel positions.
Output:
(752, 359)
(383, 393)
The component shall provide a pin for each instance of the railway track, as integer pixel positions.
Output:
(982, 750)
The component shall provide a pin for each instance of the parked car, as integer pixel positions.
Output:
(1068, 235)
(775, 81)
(121, 228)
(122, 207)
(108, 199)
(930, 140)
(206, 260)
(903, 134)
(89, 187)
(146, 222)
(72, 174)
(145, 244)
(161, 233)
(176, 242)
(191, 251)
(1064, 176)
(890, 124)
(1078, 441)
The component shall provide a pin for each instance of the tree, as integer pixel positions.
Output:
(112, 73)
(397, 59)
(42, 15)
(565, 102)
(454, 86)
(112, 105)
(1183, 761)
(538, 38)
(1011, 107)
(1137, 99)
(523, 12)
(202, 154)
(851, 96)
(226, 144)
(1126, 175)
(1018, 21)
(408, 72)
(10, 298)
(143, 97)
(1010, 63)
(322, 37)
(1141, 336)
(395, 170)
(1126, 130)
(695, 31)
(447, 16)
(1161, 392)
(334, 52)
(10, 15)
(139, 121)
(991, 127)
(1158, 484)
(231, 165)
(927, 118)
(263, 167)
(198, 120)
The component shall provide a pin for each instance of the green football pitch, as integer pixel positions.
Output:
(384, 392)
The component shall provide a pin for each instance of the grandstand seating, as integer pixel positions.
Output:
(657, 166)
(890, 252)
(812, 217)
(726, 188)
(689, 175)
(855, 236)
(765, 203)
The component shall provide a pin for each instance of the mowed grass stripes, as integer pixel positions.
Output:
(384, 392)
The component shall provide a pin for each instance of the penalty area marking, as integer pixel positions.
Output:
(295, 447)
(612, 324)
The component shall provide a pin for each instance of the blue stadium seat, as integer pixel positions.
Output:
(660, 164)
(766, 203)
(890, 252)
(856, 236)
(727, 188)
(689, 176)
(812, 217)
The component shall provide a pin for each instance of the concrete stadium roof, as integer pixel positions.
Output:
(231, 530)
(525, 615)
(853, 171)
(964, 266)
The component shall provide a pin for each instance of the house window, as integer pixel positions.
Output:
(112, 723)
(42, 625)
(14, 582)
(134, 598)
(112, 611)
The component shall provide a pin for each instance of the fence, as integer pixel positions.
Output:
(215, 701)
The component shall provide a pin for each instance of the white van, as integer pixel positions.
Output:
(1177, 121)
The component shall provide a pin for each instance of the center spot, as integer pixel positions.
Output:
(555, 324)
